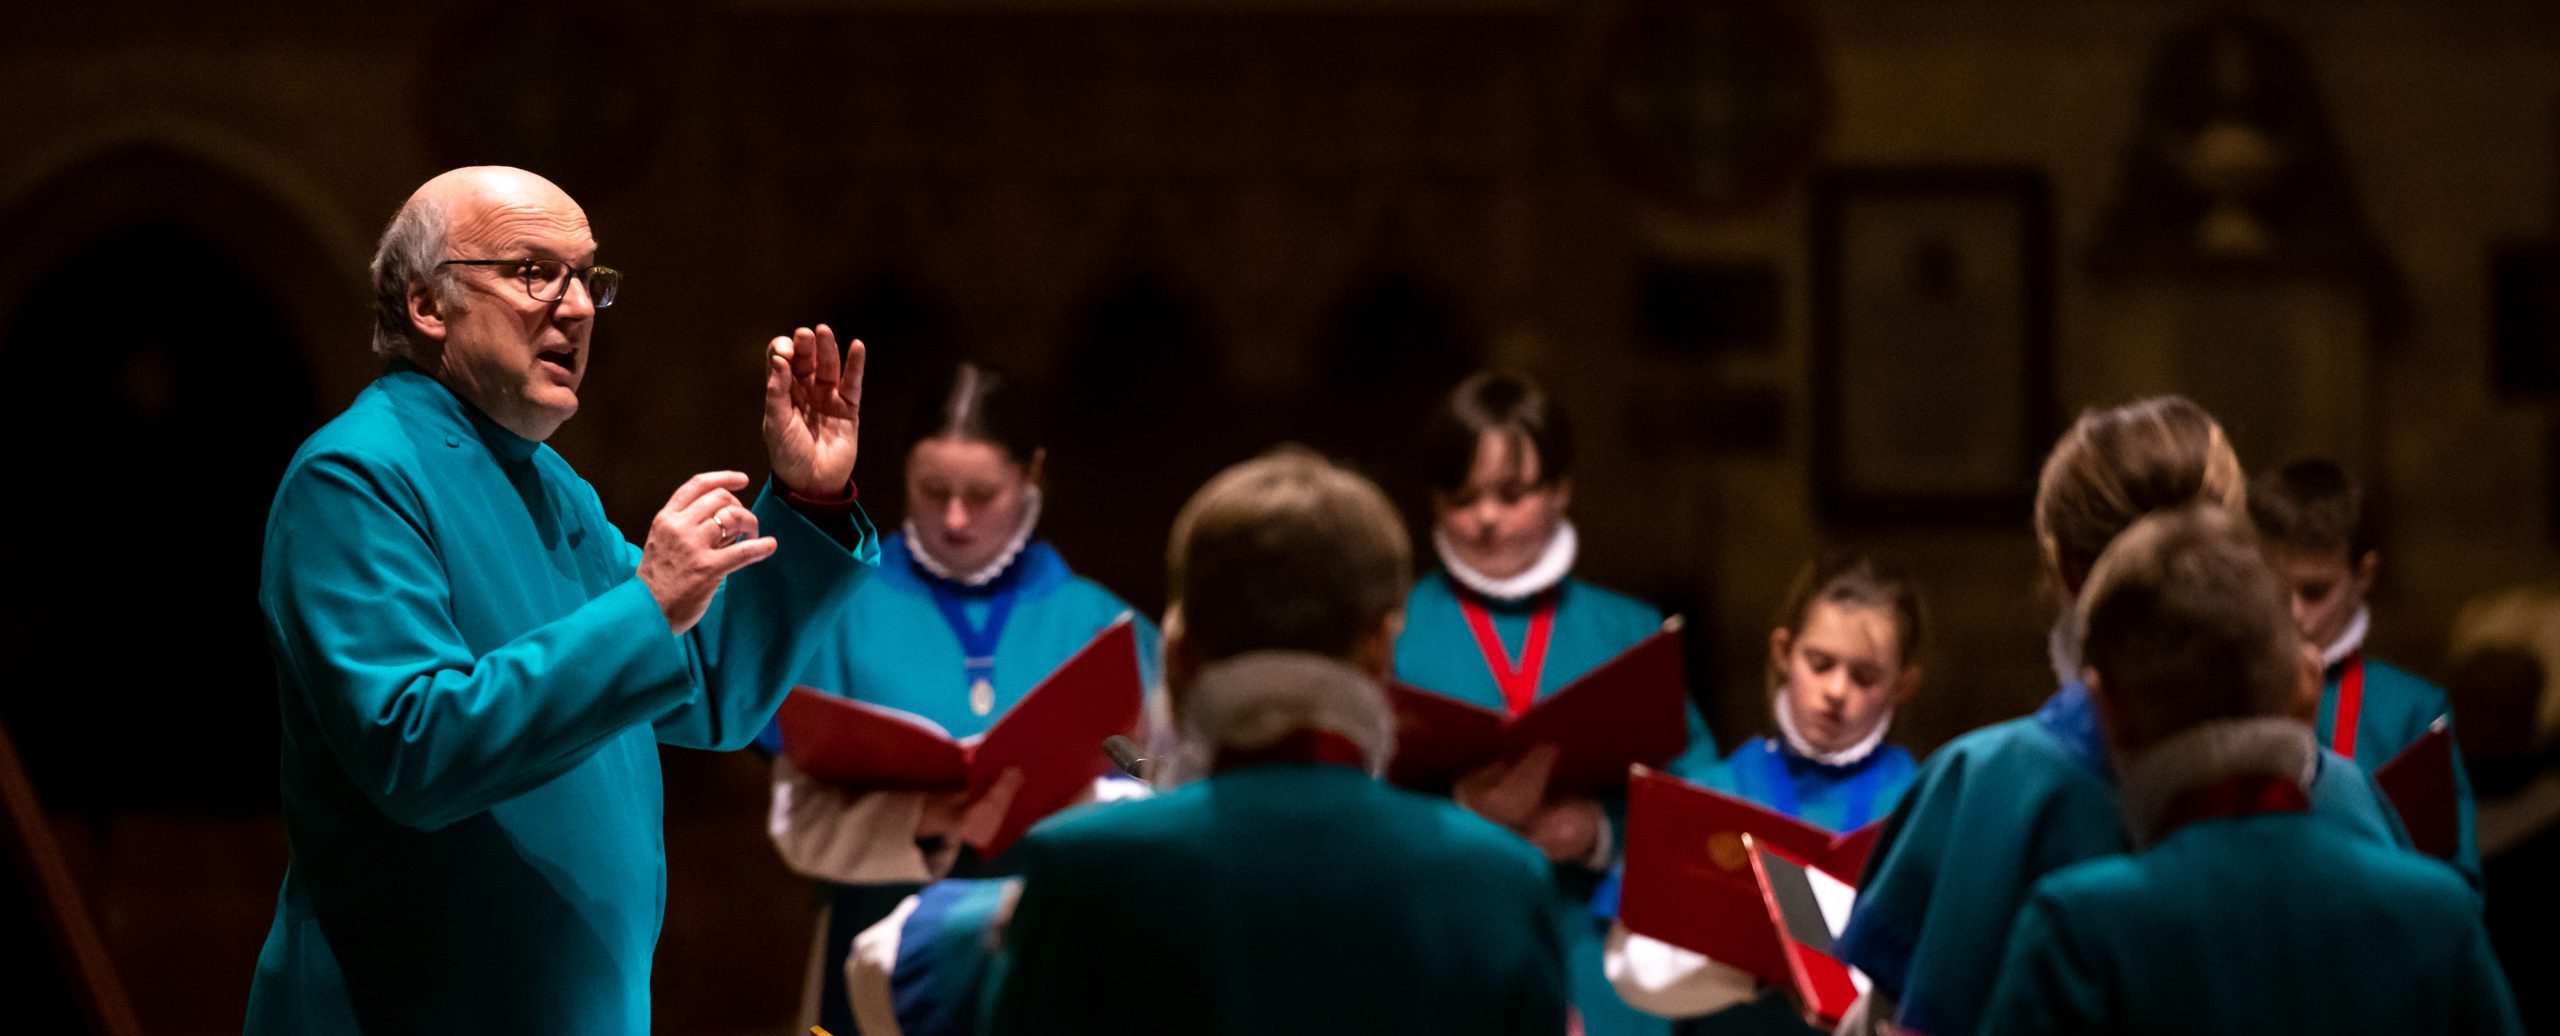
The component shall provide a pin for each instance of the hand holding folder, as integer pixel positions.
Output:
(1053, 737)
(1692, 879)
(1630, 710)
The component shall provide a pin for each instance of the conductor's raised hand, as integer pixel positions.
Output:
(701, 536)
(812, 409)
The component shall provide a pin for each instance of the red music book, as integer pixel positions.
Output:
(2419, 782)
(1631, 710)
(1054, 735)
(1806, 908)
(1689, 879)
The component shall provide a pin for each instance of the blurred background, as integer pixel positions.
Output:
(1806, 273)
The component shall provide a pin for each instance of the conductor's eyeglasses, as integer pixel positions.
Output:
(546, 280)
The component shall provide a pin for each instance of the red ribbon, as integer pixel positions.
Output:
(2247, 794)
(1519, 682)
(2342, 734)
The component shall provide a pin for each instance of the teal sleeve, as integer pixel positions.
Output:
(2488, 1006)
(755, 638)
(2046, 985)
(2467, 857)
(359, 610)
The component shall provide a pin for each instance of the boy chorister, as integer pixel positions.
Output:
(2310, 516)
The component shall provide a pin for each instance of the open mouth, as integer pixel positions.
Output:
(565, 359)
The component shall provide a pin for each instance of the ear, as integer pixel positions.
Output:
(2364, 569)
(1375, 654)
(1181, 662)
(1779, 643)
(2111, 718)
(1564, 494)
(1039, 460)
(1910, 682)
(427, 313)
(2307, 684)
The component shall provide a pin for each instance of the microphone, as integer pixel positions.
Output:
(1124, 754)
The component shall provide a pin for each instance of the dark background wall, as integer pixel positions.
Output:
(1745, 242)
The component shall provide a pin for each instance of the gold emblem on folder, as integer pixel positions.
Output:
(982, 696)
(1726, 851)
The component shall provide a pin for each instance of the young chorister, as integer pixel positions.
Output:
(2311, 516)
(1995, 809)
(1844, 654)
(1504, 623)
(2239, 910)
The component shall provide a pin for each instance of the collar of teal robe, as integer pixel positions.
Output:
(409, 384)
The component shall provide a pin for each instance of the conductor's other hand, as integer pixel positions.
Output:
(812, 409)
(701, 536)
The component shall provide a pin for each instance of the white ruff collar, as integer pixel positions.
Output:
(981, 577)
(2350, 640)
(1849, 756)
(2210, 751)
(1550, 568)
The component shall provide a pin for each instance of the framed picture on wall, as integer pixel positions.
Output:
(1932, 341)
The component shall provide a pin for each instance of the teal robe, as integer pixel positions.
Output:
(2398, 709)
(1989, 814)
(1437, 652)
(893, 647)
(2276, 922)
(1287, 899)
(474, 686)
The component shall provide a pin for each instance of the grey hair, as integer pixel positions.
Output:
(412, 251)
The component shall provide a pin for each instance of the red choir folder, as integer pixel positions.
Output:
(1631, 710)
(1054, 734)
(2419, 782)
(1792, 896)
(1690, 880)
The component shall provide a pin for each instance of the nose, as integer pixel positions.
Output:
(1834, 689)
(576, 302)
(955, 516)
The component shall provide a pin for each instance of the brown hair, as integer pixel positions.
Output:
(1855, 579)
(2310, 504)
(976, 403)
(2185, 623)
(1286, 552)
(1494, 401)
(2117, 464)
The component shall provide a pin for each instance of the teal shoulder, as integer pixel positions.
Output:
(2383, 678)
(1614, 606)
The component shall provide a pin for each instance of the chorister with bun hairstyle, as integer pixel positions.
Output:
(969, 610)
(1997, 808)
(1503, 621)
(2239, 910)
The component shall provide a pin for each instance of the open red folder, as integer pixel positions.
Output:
(1630, 710)
(2419, 782)
(1689, 879)
(1054, 734)
(1806, 909)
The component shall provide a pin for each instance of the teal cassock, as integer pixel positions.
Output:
(1284, 898)
(1437, 652)
(1989, 814)
(474, 686)
(2274, 922)
(900, 644)
(2397, 709)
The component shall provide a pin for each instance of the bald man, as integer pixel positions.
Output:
(476, 669)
